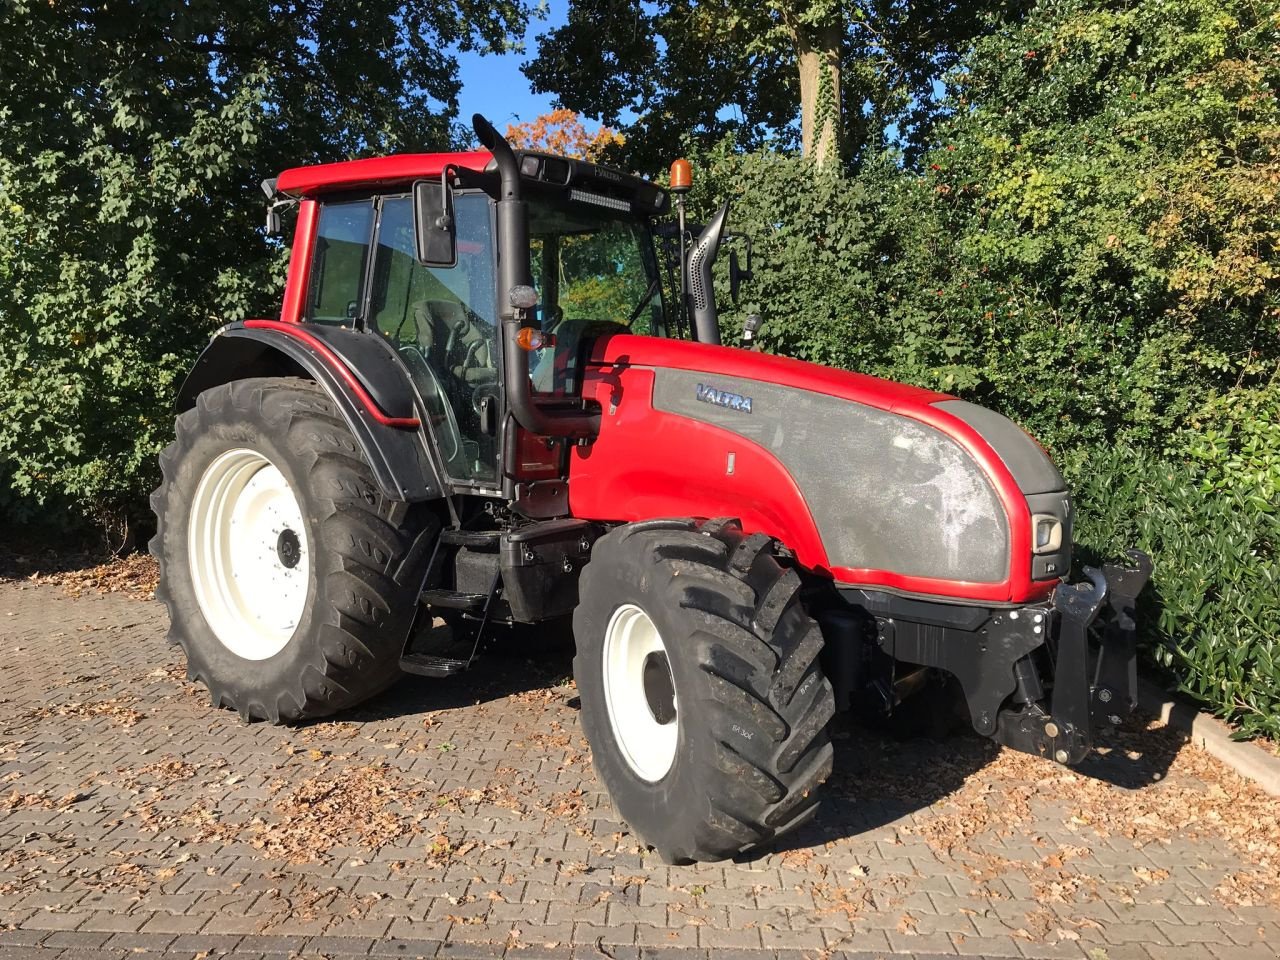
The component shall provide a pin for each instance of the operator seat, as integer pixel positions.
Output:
(455, 341)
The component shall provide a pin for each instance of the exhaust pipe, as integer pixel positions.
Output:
(513, 247)
(702, 294)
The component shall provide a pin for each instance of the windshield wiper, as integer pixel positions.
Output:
(644, 301)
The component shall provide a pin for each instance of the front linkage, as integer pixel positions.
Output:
(1025, 672)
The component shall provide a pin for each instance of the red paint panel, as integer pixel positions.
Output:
(648, 463)
(736, 362)
(304, 244)
(375, 172)
(299, 332)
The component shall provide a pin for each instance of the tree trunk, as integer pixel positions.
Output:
(818, 57)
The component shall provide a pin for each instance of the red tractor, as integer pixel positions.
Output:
(477, 408)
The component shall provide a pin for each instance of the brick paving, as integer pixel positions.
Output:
(460, 818)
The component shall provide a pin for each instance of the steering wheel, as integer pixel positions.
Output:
(444, 425)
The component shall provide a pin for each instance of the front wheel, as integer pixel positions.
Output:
(290, 580)
(702, 695)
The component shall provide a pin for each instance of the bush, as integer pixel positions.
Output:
(1212, 614)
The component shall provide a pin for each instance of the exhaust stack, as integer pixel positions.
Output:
(514, 303)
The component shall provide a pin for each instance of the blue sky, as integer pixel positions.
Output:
(494, 85)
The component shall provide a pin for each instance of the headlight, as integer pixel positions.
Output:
(1047, 532)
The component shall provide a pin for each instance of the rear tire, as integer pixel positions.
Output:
(283, 624)
(734, 744)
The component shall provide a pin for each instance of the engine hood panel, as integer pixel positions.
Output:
(874, 482)
(887, 492)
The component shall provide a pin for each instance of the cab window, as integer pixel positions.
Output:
(340, 260)
(595, 273)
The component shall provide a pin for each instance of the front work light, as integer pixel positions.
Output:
(1048, 533)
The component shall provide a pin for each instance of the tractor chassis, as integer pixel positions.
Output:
(1029, 677)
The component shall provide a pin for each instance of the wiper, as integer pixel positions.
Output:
(644, 301)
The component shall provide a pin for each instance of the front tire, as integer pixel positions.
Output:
(702, 695)
(291, 581)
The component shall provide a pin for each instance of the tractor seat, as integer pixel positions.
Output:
(455, 341)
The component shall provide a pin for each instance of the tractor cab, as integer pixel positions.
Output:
(410, 249)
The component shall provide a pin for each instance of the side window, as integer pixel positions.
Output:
(413, 303)
(338, 267)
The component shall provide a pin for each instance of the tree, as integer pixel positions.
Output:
(562, 132)
(841, 75)
(132, 139)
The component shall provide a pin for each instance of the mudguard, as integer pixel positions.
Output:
(363, 377)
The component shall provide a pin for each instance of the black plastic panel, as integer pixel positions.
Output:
(375, 364)
(399, 458)
(1024, 458)
(541, 563)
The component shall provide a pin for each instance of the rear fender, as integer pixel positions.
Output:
(362, 376)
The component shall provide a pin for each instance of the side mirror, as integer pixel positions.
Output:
(435, 240)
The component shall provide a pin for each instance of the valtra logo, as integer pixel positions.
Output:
(723, 398)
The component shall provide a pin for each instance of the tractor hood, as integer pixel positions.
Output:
(877, 483)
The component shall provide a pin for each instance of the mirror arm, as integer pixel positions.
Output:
(445, 221)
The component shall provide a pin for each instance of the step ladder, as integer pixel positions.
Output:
(472, 608)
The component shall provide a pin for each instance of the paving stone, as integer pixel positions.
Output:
(536, 952)
(968, 946)
(568, 885)
(470, 950)
(1252, 951)
(936, 943)
(28, 937)
(1059, 950)
(409, 949)
(141, 942)
(48, 920)
(77, 939)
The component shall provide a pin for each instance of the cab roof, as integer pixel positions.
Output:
(376, 172)
(581, 179)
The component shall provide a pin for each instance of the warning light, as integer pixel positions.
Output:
(681, 176)
(531, 338)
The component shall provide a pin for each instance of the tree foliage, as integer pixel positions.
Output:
(562, 132)
(132, 139)
(1090, 247)
(717, 67)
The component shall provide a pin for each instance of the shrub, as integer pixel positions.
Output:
(1212, 614)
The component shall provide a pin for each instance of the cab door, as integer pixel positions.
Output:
(441, 320)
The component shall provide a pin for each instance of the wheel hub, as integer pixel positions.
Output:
(249, 554)
(640, 693)
(288, 548)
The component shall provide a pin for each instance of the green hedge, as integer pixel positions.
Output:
(1212, 614)
(1091, 249)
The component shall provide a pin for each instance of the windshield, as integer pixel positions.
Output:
(594, 273)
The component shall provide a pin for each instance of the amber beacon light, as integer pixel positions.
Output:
(681, 176)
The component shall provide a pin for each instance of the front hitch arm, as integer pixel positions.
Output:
(1114, 690)
(1079, 703)
(1068, 731)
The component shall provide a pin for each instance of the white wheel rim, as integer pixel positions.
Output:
(250, 560)
(647, 743)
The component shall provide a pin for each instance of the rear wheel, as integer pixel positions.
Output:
(702, 694)
(290, 580)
